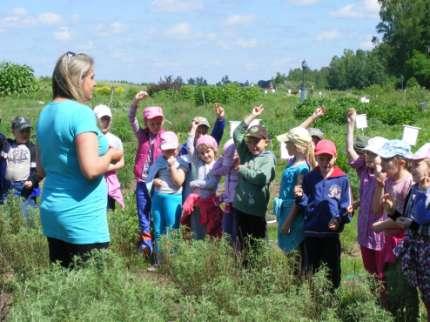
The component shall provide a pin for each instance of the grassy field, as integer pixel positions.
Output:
(199, 280)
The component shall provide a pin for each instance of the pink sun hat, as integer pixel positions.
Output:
(169, 141)
(151, 112)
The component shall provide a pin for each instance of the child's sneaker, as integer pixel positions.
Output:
(153, 268)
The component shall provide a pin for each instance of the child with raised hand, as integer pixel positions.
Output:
(290, 218)
(364, 161)
(256, 168)
(166, 176)
(21, 174)
(148, 150)
(325, 198)
(203, 128)
(200, 209)
(104, 119)
(414, 252)
(394, 182)
(225, 166)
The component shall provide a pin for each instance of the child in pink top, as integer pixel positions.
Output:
(148, 150)
(394, 183)
(363, 158)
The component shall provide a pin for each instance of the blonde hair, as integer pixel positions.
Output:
(307, 148)
(68, 74)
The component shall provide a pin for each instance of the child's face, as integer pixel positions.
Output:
(22, 136)
(420, 170)
(371, 159)
(105, 123)
(291, 148)
(391, 166)
(170, 153)
(154, 125)
(206, 154)
(255, 145)
(201, 130)
(326, 162)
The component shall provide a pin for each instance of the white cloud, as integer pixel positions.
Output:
(359, 9)
(367, 43)
(63, 34)
(239, 20)
(180, 30)
(328, 35)
(105, 30)
(19, 18)
(247, 43)
(303, 2)
(177, 5)
(49, 18)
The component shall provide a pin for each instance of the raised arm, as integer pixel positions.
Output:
(350, 123)
(319, 112)
(132, 111)
(218, 129)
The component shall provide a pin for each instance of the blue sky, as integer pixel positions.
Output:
(141, 41)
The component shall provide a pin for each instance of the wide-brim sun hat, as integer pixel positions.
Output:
(375, 144)
(422, 153)
(298, 135)
(393, 148)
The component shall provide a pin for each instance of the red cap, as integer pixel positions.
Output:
(325, 147)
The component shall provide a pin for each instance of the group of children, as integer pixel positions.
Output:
(177, 184)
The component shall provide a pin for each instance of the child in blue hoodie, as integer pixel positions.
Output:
(325, 197)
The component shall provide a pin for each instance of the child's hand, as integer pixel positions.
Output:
(158, 182)
(298, 191)
(333, 224)
(140, 96)
(351, 115)
(219, 111)
(425, 182)
(257, 110)
(388, 203)
(319, 112)
(380, 177)
(171, 161)
(236, 163)
(286, 227)
(28, 184)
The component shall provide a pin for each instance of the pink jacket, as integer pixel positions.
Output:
(114, 187)
(143, 137)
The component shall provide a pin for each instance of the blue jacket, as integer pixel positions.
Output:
(324, 199)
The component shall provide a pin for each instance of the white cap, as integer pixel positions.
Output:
(375, 144)
(102, 110)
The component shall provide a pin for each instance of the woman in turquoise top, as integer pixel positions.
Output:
(290, 220)
(73, 157)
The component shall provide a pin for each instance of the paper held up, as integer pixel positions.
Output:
(410, 134)
(361, 121)
(235, 124)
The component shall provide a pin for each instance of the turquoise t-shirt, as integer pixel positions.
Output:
(73, 208)
(286, 200)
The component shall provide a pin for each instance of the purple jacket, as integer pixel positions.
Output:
(143, 139)
(224, 167)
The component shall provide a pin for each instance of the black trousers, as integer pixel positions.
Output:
(249, 228)
(64, 252)
(323, 250)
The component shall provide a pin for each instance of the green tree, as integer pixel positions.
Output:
(405, 27)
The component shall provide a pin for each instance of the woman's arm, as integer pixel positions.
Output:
(116, 166)
(92, 165)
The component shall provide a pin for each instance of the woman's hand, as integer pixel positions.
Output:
(286, 227)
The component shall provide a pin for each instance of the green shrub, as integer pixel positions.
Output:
(17, 79)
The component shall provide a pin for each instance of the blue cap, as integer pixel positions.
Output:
(394, 148)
